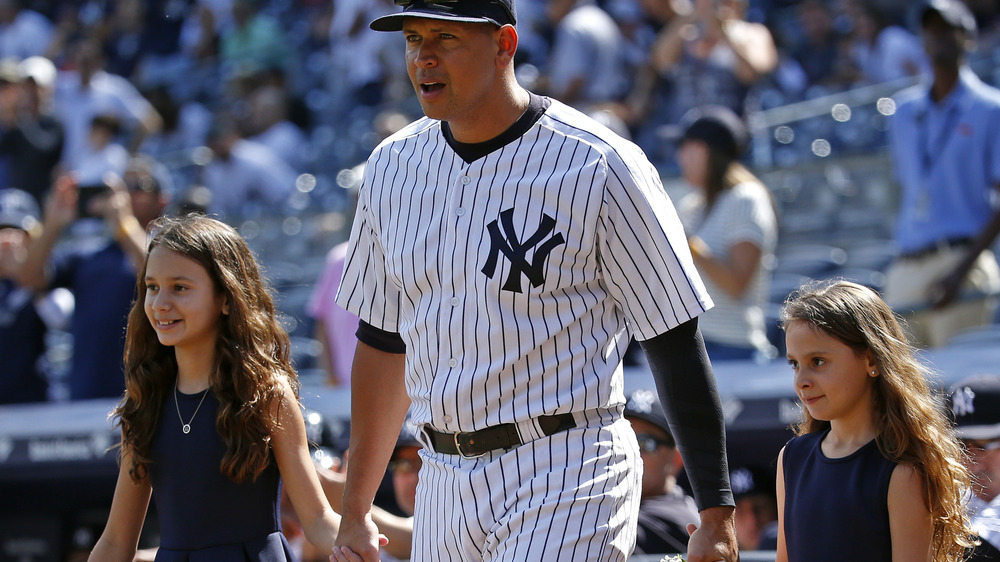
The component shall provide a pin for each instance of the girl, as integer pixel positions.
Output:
(210, 418)
(732, 223)
(874, 472)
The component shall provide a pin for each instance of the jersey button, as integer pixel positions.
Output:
(452, 362)
(460, 211)
(446, 419)
(454, 301)
(466, 180)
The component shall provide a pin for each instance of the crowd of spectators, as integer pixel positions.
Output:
(256, 108)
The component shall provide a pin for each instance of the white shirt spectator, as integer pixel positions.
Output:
(287, 141)
(76, 105)
(93, 164)
(253, 172)
(588, 46)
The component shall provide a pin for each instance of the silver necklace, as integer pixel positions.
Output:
(186, 427)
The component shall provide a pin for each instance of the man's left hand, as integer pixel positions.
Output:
(715, 539)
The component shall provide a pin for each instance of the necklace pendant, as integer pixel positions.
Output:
(186, 428)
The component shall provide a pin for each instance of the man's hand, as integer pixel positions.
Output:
(358, 540)
(715, 539)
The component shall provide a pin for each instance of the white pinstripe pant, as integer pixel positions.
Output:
(572, 496)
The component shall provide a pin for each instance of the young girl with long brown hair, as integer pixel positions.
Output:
(875, 471)
(210, 419)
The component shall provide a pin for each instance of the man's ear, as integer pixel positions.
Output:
(506, 44)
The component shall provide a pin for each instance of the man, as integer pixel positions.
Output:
(665, 510)
(756, 508)
(98, 265)
(947, 161)
(975, 407)
(504, 250)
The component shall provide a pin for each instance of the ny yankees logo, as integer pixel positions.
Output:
(515, 250)
(962, 401)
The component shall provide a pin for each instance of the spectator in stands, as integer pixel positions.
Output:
(102, 153)
(88, 91)
(404, 465)
(334, 327)
(974, 403)
(732, 226)
(362, 63)
(254, 42)
(23, 318)
(712, 55)
(99, 270)
(185, 128)
(882, 51)
(269, 126)
(23, 33)
(818, 50)
(665, 510)
(586, 65)
(756, 508)
(30, 136)
(947, 161)
(244, 177)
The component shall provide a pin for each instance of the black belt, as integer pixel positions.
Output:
(503, 436)
(939, 246)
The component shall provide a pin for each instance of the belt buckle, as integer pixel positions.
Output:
(458, 447)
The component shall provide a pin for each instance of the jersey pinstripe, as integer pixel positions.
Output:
(515, 280)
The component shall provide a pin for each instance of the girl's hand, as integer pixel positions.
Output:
(358, 541)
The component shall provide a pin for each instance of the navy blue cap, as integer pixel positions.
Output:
(645, 405)
(18, 209)
(716, 126)
(498, 12)
(975, 406)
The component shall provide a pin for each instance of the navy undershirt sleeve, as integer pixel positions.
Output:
(690, 398)
(389, 342)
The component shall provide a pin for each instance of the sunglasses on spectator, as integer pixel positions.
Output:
(405, 466)
(650, 443)
(982, 446)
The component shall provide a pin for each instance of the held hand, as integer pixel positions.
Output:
(358, 540)
(715, 539)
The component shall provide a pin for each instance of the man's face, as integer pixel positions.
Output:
(659, 460)
(452, 66)
(984, 464)
(943, 43)
(405, 465)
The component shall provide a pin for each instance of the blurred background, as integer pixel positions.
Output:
(263, 112)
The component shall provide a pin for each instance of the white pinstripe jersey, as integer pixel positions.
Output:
(515, 280)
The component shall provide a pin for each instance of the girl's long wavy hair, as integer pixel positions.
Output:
(252, 353)
(910, 424)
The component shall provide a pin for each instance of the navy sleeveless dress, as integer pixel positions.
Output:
(204, 516)
(836, 509)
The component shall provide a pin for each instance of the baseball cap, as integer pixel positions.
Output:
(750, 481)
(498, 12)
(716, 126)
(18, 209)
(407, 436)
(645, 405)
(39, 69)
(975, 407)
(954, 12)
